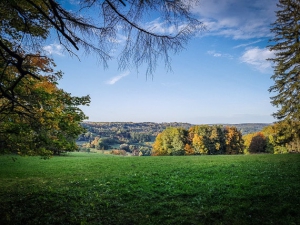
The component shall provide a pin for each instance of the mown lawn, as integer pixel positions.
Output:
(83, 188)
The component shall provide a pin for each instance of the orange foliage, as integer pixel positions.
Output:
(189, 150)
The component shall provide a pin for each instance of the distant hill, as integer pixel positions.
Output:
(247, 128)
(111, 135)
(151, 128)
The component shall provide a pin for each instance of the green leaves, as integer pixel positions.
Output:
(287, 58)
(50, 124)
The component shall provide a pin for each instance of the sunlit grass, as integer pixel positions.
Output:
(83, 188)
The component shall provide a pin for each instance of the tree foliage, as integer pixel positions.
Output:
(234, 141)
(276, 138)
(286, 30)
(33, 111)
(258, 143)
(198, 140)
(26, 24)
(46, 118)
(171, 141)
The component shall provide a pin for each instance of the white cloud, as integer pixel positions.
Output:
(239, 19)
(214, 54)
(117, 78)
(218, 54)
(54, 49)
(257, 57)
(247, 44)
(163, 27)
(160, 27)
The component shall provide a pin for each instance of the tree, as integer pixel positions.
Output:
(283, 137)
(233, 140)
(207, 139)
(286, 47)
(247, 141)
(46, 119)
(172, 141)
(217, 140)
(27, 24)
(158, 147)
(199, 145)
(198, 136)
(258, 143)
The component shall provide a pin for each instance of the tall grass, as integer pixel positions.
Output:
(83, 188)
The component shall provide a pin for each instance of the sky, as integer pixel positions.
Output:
(221, 77)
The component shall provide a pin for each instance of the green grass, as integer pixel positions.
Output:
(83, 188)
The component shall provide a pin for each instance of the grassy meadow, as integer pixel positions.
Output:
(82, 188)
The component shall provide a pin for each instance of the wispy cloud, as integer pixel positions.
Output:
(257, 57)
(247, 44)
(163, 27)
(218, 54)
(214, 53)
(238, 19)
(117, 78)
(54, 49)
(160, 27)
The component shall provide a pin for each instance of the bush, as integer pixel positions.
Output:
(118, 152)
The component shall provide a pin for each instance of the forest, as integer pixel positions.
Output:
(145, 139)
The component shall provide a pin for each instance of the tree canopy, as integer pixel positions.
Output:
(26, 24)
(286, 46)
(45, 120)
(199, 140)
(36, 117)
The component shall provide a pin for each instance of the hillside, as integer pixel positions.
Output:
(151, 128)
(110, 135)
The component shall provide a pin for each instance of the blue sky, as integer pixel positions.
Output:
(220, 77)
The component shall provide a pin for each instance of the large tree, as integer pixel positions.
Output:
(286, 47)
(46, 119)
(94, 27)
(26, 24)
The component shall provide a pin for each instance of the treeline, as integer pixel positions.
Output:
(98, 143)
(277, 138)
(128, 132)
(198, 140)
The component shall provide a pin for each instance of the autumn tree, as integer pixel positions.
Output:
(217, 140)
(198, 140)
(247, 141)
(233, 140)
(198, 143)
(26, 25)
(286, 47)
(282, 138)
(172, 141)
(207, 139)
(158, 147)
(45, 120)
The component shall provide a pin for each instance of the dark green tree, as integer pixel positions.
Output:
(286, 47)
(258, 143)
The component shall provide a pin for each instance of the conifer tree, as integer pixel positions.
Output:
(286, 30)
